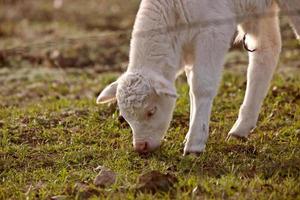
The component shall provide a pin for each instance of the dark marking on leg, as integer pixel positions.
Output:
(204, 128)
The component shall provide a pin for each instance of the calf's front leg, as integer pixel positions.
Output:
(203, 79)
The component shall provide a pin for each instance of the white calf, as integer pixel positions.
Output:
(146, 93)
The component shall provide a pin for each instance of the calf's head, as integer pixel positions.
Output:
(146, 102)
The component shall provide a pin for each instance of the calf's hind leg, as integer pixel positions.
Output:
(262, 64)
(293, 7)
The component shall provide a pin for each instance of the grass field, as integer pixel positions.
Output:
(53, 136)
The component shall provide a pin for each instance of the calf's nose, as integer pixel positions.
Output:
(141, 147)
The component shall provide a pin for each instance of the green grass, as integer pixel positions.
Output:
(53, 135)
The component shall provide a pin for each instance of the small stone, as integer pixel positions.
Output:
(105, 178)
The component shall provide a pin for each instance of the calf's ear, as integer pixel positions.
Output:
(164, 87)
(108, 94)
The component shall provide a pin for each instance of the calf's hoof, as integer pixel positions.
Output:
(194, 149)
(196, 154)
(241, 130)
(230, 136)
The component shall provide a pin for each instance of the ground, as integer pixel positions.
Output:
(53, 136)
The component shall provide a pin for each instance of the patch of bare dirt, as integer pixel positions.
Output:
(155, 181)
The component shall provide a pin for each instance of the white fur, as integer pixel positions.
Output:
(133, 91)
(157, 56)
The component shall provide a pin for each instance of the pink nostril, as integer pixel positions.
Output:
(141, 147)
